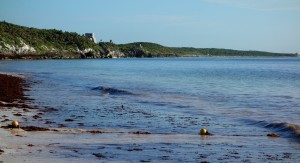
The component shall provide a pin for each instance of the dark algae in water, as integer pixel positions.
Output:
(112, 91)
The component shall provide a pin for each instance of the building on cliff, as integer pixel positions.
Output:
(91, 36)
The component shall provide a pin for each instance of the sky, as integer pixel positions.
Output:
(264, 25)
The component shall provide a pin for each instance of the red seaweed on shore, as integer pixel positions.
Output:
(34, 128)
(11, 88)
(12, 92)
(27, 128)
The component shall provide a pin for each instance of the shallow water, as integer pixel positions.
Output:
(76, 146)
(228, 96)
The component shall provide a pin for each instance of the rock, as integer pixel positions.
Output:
(95, 132)
(115, 54)
(17, 48)
(141, 133)
(272, 135)
(69, 120)
(1, 151)
(99, 155)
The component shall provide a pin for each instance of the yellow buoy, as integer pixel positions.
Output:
(203, 131)
(15, 124)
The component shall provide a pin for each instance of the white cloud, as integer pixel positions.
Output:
(266, 5)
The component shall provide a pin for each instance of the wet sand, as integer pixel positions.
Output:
(43, 144)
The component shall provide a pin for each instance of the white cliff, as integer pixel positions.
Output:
(20, 48)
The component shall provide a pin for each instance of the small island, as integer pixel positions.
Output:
(19, 42)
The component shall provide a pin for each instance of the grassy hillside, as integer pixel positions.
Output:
(42, 41)
(145, 49)
(23, 42)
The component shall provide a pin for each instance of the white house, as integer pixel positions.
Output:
(91, 36)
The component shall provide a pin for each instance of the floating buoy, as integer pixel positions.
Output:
(203, 131)
(15, 124)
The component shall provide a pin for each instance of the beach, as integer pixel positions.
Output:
(115, 121)
(150, 81)
(78, 145)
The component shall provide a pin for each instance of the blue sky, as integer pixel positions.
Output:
(267, 25)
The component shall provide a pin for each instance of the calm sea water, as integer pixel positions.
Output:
(170, 95)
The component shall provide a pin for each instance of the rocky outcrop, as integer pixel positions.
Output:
(21, 50)
(115, 54)
(111, 52)
(137, 53)
(17, 48)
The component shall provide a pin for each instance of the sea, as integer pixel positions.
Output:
(235, 96)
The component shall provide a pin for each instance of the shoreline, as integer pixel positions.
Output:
(78, 145)
(76, 57)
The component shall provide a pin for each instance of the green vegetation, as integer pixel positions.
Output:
(45, 41)
(23, 42)
(144, 49)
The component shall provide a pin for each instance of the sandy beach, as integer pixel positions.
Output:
(42, 144)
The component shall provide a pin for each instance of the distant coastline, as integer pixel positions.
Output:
(18, 42)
